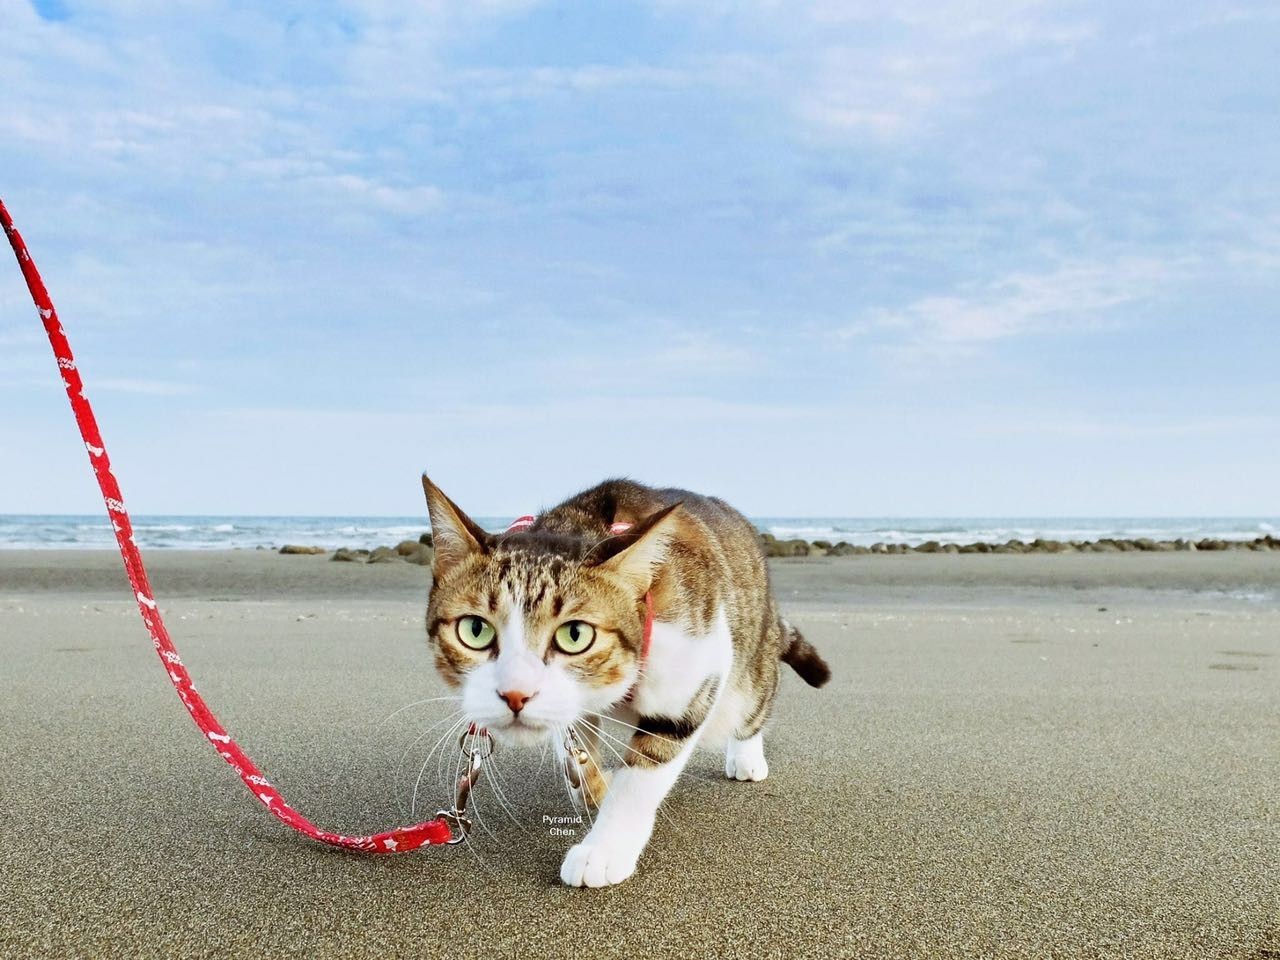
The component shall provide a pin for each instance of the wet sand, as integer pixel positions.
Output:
(998, 768)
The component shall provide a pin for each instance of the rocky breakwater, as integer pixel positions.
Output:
(773, 547)
(406, 551)
(420, 552)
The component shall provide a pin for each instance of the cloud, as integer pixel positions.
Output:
(856, 70)
(1073, 297)
(398, 200)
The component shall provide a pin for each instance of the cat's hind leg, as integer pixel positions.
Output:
(744, 759)
(744, 753)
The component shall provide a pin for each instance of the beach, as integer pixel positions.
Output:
(1022, 755)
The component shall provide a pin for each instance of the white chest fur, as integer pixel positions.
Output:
(679, 663)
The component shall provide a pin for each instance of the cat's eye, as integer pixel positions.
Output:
(574, 636)
(476, 632)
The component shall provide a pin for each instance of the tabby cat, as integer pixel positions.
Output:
(543, 630)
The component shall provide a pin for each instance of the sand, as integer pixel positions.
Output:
(1000, 768)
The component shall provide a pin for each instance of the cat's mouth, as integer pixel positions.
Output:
(521, 730)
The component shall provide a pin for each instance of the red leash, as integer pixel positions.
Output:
(400, 840)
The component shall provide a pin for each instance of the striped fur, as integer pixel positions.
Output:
(714, 661)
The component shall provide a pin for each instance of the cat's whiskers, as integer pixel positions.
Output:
(608, 783)
(463, 764)
(454, 727)
(416, 703)
(546, 745)
(498, 784)
(579, 792)
(631, 726)
(619, 741)
(422, 736)
(417, 740)
(473, 809)
(630, 749)
(627, 747)
(584, 790)
(564, 775)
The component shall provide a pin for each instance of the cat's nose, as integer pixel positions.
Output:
(515, 700)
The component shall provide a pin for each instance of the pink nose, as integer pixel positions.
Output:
(515, 699)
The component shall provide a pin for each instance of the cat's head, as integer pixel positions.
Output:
(538, 629)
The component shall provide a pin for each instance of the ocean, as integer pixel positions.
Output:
(224, 532)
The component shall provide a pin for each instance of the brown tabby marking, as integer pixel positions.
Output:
(559, 569)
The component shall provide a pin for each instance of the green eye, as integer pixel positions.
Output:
(575, 636)
(476, 632)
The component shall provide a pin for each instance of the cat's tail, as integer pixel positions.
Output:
(802, 657)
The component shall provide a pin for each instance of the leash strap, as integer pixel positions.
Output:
(399, 840)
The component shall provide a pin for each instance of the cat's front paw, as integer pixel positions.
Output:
(598, 863)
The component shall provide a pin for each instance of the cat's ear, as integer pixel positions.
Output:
(454, 535)
(636, 555)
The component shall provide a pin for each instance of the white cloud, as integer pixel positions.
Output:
(398, 200)
(1071, 297)
(862, 69)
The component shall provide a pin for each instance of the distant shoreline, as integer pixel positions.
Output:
(830, 534)
(804, 548)
(419, 551)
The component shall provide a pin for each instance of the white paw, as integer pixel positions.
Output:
(596, 863)
(744, 759)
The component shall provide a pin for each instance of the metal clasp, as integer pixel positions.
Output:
(575, 757)
(477, 746)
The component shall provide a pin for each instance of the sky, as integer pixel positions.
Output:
(944, 258)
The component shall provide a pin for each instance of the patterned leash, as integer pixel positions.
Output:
(449, 826)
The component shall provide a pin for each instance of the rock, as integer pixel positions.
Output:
(879, 548)
(298, 549)
(385, 555)
(784, 548)
(347, 555)
(1015, 546)
(407, 548)
(950, 548)
(929, 546)
(425, 540)
(1145, 543)
(799, 548)
(1041, 545)
(824, 544)
(1104, 546)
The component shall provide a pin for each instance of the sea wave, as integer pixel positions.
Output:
(249, 532)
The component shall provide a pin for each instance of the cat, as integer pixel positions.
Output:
(543, 630)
